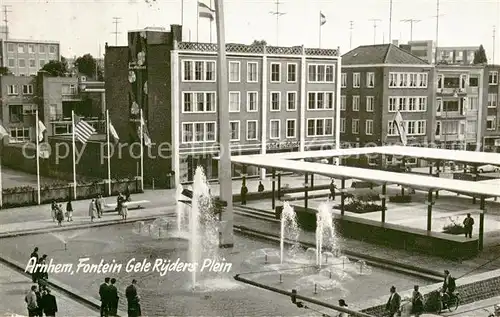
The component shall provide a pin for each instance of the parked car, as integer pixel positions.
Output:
(488, 169)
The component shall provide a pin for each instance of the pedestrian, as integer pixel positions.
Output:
(243, 194)
(34, 254)
(53, 207)
(124, 210)
(342, 304)
(394, 302)
(92, 210)
(332, 190)
(104, 294)
(59, 215)
(127, 194)
(261, 187)
(31, 303)
(113, 298)
(49, 303)
(417, 302)
(69, 211)
(39, 310)
(468, 224)
(133, 300)
(42, 274)
(99, 205)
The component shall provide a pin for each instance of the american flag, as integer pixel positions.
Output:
(83, 130)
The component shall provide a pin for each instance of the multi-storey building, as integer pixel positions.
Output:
(377, 81)
(26, 57)
(460, 98)
(280, 98)
(491, 117)
(452, 55)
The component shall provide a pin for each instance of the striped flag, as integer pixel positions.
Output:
(400, 125)
(322, 18)
(205, 11)
(82, 130)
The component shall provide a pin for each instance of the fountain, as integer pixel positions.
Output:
(66, 238)
(289, 229)
(179, 211)
(324, 229)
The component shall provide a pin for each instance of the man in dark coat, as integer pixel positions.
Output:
(49, 304)
(39, 310)
(468, 224)
(243, 194)
(113, 298)
(394, 303)
(332, 190)
(134, 307)
(104, 294)
(34, 254)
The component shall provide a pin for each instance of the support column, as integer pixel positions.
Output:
(312, 181)
(438, 168)
(383, 197)
(403, 163)
(244, 175)
(306, 192)
(429, 210)
(476, 175)
(302, 101)
(279, 185)
(273, 181)
(263, 105)
(342, 196)
(482, 206)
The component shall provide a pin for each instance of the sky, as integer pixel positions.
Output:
(83, 26)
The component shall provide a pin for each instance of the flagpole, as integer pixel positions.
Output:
(109, 152)
(197, 22)
(211, 22)
(319, 29)
(74, 152)
(142, 151)
(37, 143)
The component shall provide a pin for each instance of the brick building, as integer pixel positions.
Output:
(376, 81)
(26, 57)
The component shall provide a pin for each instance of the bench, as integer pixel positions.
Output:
(135, 204)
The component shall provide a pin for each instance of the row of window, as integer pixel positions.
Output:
(17, 112)
(412, 127)
(355, 126)
(456, 127)
(201, 132)
(21, 62)
(206, 101)
(356, 80)
(408, 104)
(19, 135)
(370, 101)
(408, 80)
(199, 70)
(21, 48)
(26, 89)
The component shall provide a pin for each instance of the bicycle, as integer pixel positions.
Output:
(452, 301)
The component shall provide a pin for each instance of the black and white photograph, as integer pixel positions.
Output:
(310, 158)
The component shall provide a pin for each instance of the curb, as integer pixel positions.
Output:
(64, 289)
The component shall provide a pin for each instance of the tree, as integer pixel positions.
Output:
(56, 68)
(259, 43)
(480, 56)
(87, 65)
(5, 71)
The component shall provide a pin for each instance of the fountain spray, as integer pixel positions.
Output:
(179, 208)
(288, 226)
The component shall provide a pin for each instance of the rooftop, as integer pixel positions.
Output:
(381, 54)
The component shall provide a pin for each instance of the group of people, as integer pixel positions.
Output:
(57, 212)
(39, 300)
(109, 298)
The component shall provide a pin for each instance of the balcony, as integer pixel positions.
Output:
(450, 115)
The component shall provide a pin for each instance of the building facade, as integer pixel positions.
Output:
(491, 138)
(280, 98)
(451, 55)
(26, 57)
(377, 81)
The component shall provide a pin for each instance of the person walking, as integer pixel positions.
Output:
(69, 211)
(99, 205)
(394, 302)
(31, 303)
(49, 303)
(468, 224)
(92, 210)
(133, 300)
(38, 294)
(332, 190)
(53, 207)
(113, 298)
(104, 294)
(417, 302)
(59, 215)
(34, 254)
(261, 187)
(243, 194)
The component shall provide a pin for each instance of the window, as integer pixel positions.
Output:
(52, 49)
(275, 72)
(234, 128)
(319, 127)
(291, 73)
(291, 101)
(275, 101)
(28, 89)
(413, 80)
(370, 80)
(402, 104)
(251, 130)
(252, 72)
(11, 48)
(29, 109)
(391, 128)
(343, 101)
(369, 127)
(320, 100)
(393, 104)
(31, 49)
(32, 63)
(342, 125)
(423, 80)
(356, 80)
(493, 78)
(12, 90)
(408, 80)
(291, 128)
(421, 127)
(22, 62)
(410, 127)
(234, 101)
(21, 48)
(438, 128)
(450, 105)
(320, 73)
(472, 103)
(412, 104)
(205, 132)
(422, 104)
(355, 103)
(15, 113)
(234, 72)
(19, 135)
(393, 80)
(355, 126)
(491, 123)
(492, 100)
(252, 101)
(369, 103)
(274, 128)
(197, 70)
(198, 102)
(473, 81)
(42, 63)
(343, 80)
(12, 62)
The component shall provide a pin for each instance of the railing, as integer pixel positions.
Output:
(257, 49)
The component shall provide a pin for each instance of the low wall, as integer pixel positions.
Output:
(396, 236)
(473, 288)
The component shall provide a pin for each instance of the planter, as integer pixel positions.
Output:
(400, 199)
(454, 229)
(360, 208)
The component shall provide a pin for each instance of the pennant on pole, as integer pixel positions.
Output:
(113, 133)
(41, 130)
(145, 135)
(400, 125)
(3, 132)
(205, 11)
(322, 19)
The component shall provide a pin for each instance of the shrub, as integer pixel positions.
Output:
(454, 227)
(402, 199)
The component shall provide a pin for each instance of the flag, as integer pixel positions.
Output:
(113, 133)
(3, 132)
(41, 130)
(322, 19)
(82, 130)
(400, 125)
(145, 135)
(205, 11)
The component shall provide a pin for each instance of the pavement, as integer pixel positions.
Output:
(477, 309)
